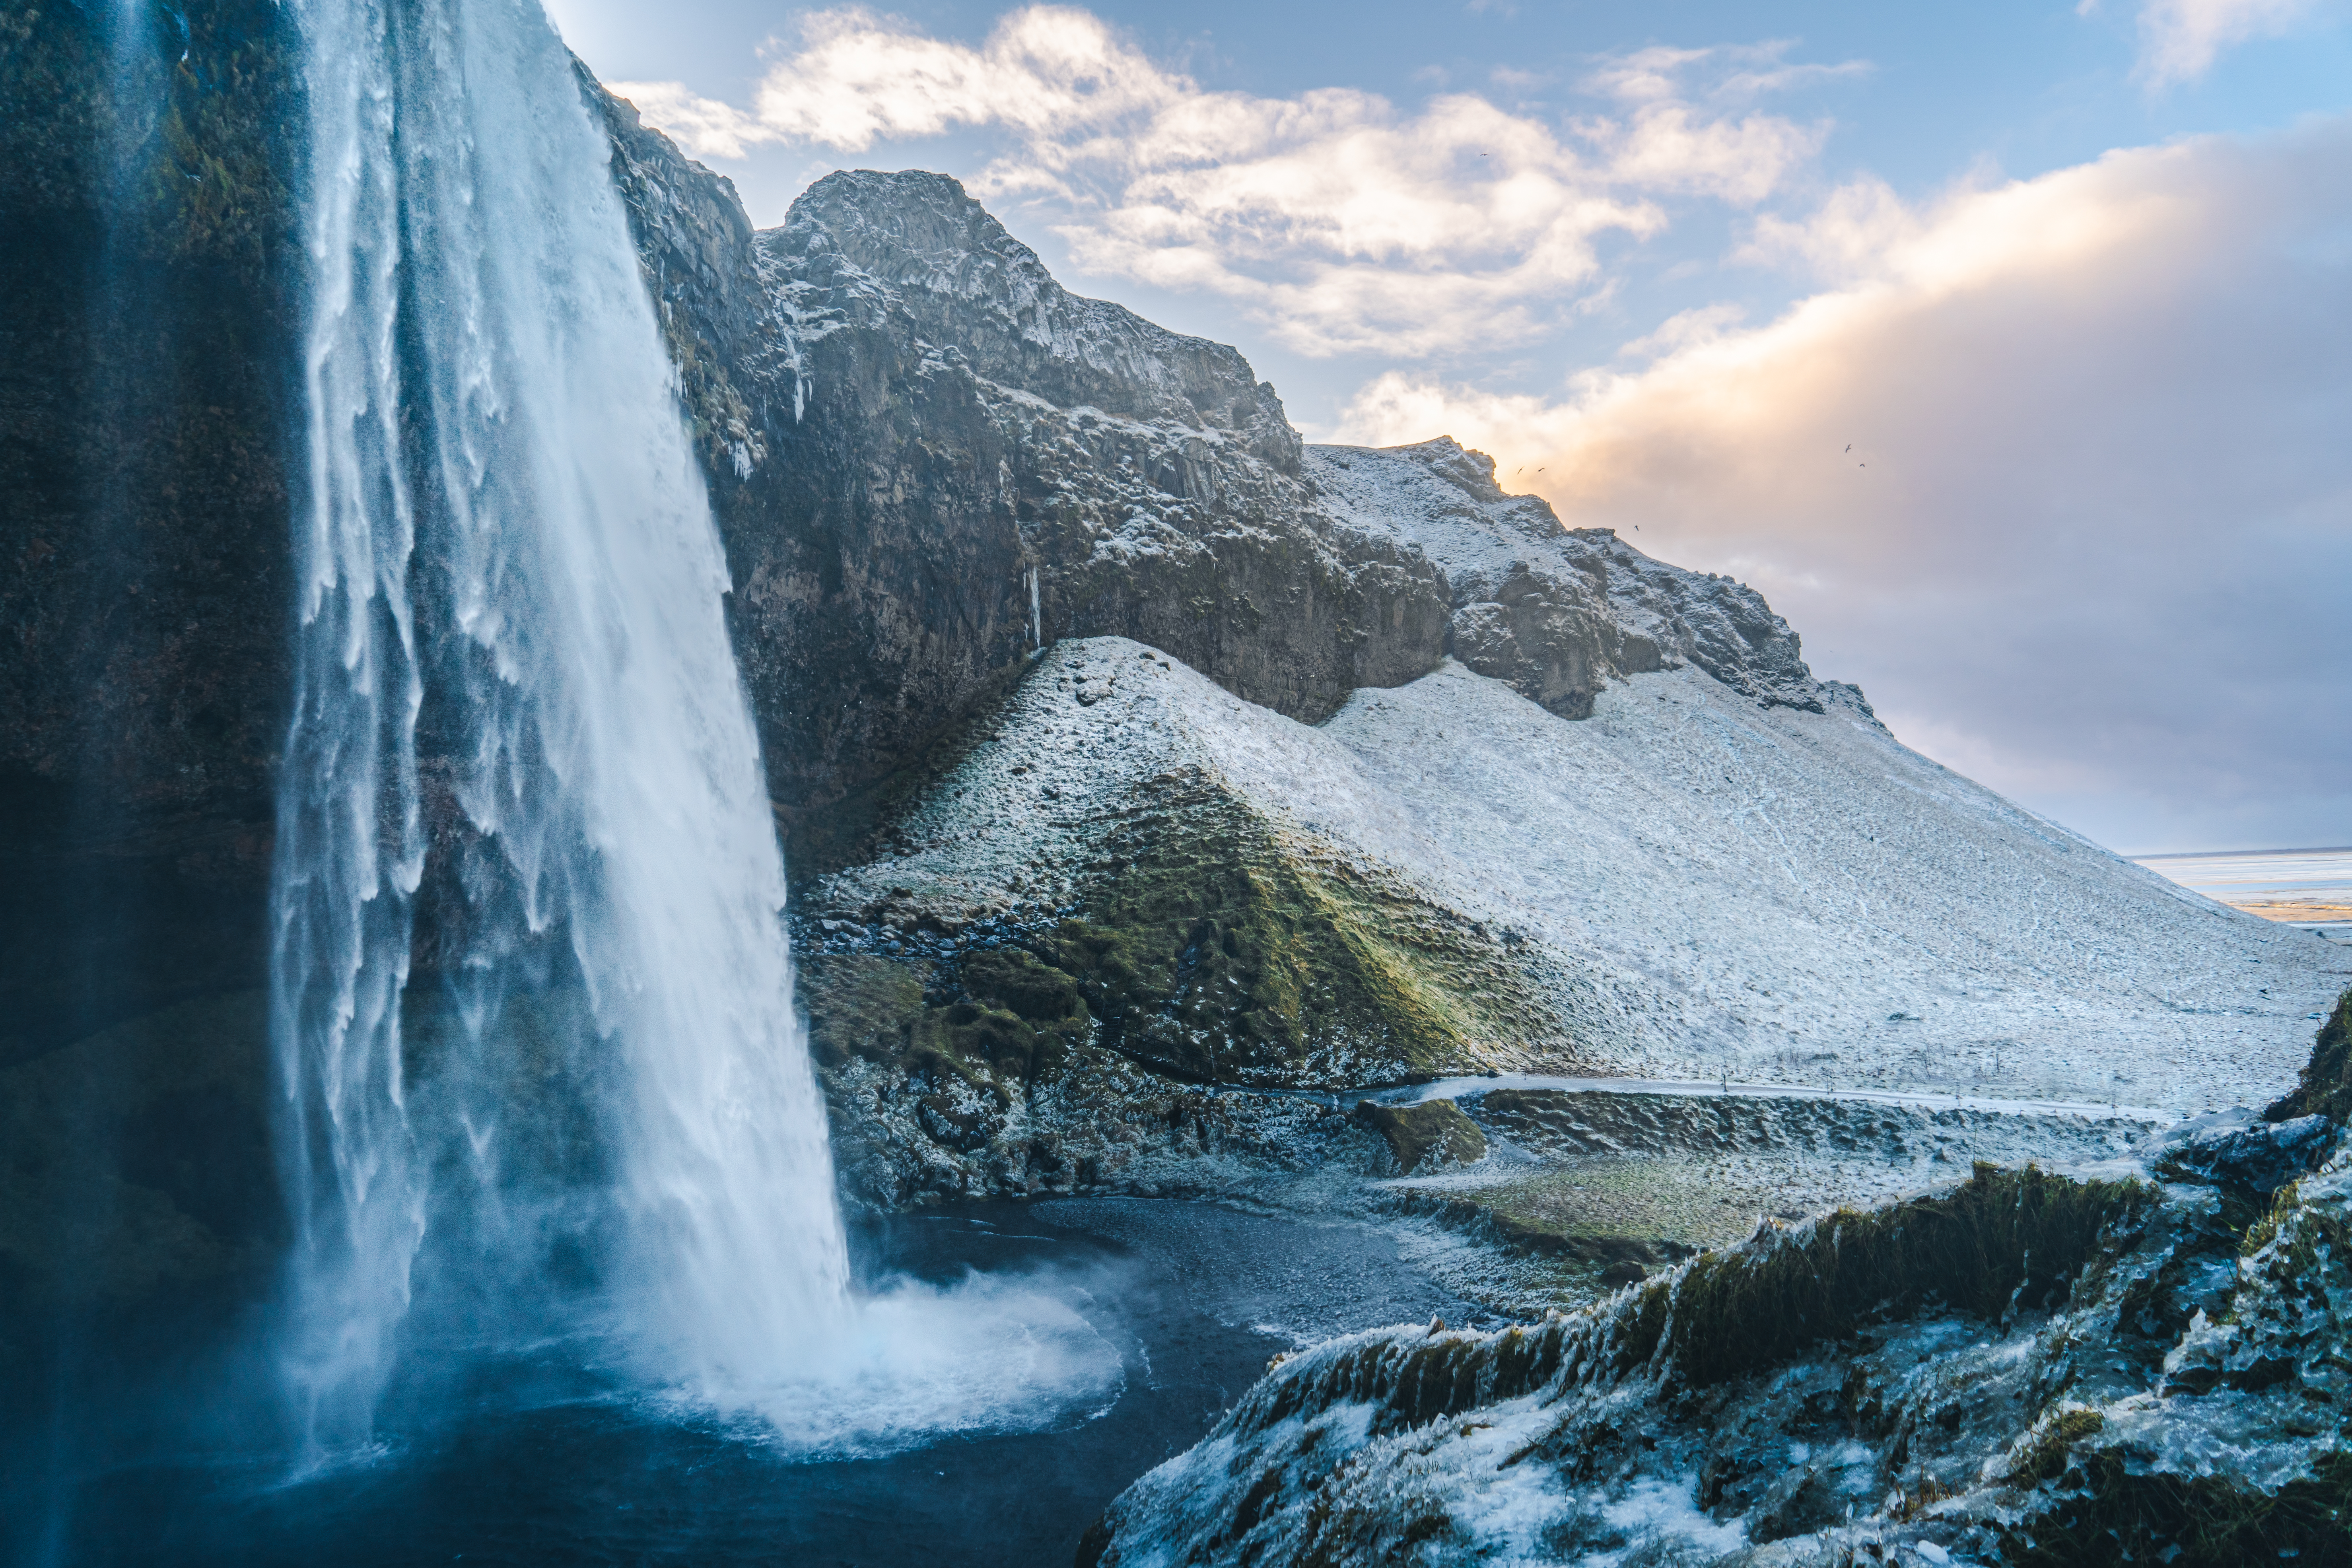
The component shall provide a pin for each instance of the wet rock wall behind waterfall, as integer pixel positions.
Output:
(147, 393)
(149, 407)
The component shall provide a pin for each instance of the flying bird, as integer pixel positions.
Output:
(1849, 446)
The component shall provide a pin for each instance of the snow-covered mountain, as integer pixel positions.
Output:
(1321, 767)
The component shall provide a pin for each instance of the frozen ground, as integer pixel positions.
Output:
(1713, 891)
(1796, 898)
(1647, 1173)
(2024, 1370)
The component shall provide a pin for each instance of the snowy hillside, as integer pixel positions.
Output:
(1701, 886)
(1790, 896)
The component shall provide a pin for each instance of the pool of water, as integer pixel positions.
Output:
(535, 1461)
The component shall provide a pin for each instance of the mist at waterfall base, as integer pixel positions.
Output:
(534, 1457)
(541, 1081)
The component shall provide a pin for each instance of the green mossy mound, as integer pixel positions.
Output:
(1026, 986)
(1214, 951)
(1426, 1136)
(1210, 941)
(860, 1005)
(1015, 1023)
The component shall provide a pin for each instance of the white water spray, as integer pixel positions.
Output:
(583, 1108)
(507, 536)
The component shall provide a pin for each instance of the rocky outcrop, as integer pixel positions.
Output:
(2029, 1369)
(1557, 611)
(930, 459)
(1426, 1137)
(965, 461)
(911, 251)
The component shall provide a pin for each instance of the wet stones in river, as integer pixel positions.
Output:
(1422, 1138)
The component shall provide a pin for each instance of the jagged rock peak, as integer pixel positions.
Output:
(1551, 609)
(861, 242)
(1470, 469)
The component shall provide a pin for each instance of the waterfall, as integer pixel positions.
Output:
(532, 1001)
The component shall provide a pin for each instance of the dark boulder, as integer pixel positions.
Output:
(2233, 1150)
(1422, 1138)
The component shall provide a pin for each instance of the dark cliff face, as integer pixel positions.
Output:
(954, 459)
(147, 418)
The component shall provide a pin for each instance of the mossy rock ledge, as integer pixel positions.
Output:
(2030, 1370)
(1425, 1137)
(1074, 937)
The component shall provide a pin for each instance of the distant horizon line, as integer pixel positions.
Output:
(2226, 854)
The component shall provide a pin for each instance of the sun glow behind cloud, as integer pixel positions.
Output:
(2092, 530)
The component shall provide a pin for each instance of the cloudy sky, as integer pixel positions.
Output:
(2007, 348)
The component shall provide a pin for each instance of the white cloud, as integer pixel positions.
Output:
(2099, 550)
(2179, 40)
(702, 125)
(1338, 221)
(1741, 72)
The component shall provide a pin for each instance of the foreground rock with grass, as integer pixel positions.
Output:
(2148, 1360)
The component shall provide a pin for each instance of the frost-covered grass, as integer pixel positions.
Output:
(1683, 886)
(2028, 1370)
(1791, 897)
(1607, 1177)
